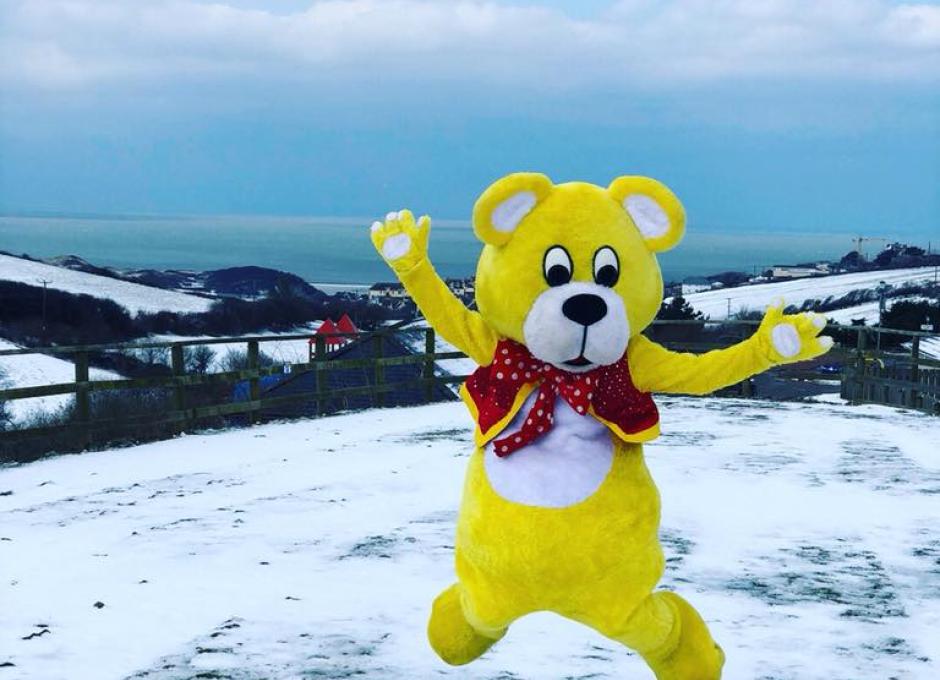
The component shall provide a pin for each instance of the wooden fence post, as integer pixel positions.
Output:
(428, 373)
(82, 398)
(915, 371)
(254, 382)
(179, 391)
(379, 370)
(322, 376)
(858, 379)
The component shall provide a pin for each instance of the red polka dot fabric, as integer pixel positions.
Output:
(608, 391)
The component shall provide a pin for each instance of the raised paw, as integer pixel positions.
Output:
(400, 241)
(788, 338)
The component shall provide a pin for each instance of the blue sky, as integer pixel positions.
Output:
(763, 115)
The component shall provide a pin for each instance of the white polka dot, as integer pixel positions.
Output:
(504, 449)
(580, 409)
(590, 395)
(587, 381)
(518, 439)
(528, 375)
(505, 351)
(528, 422)
(577, 393)
(499, 376)
(541, 429)
(515, 376)
(539, 413)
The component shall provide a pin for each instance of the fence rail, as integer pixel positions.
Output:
(873, 370)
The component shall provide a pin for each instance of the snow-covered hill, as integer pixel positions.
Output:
(717, 303)
(27, 370)
(807, 534)
(133, 296)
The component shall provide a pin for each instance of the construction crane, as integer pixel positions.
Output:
(858, 240)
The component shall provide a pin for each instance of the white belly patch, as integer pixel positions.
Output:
(560, 468)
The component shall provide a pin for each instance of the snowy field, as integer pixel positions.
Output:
(714, 303)
(280, 351)
(808, 534)
(132, 296)
(27, 370)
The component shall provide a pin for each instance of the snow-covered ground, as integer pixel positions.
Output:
(28, 370)
(281, 351)
(930, 347)
(132, 296)
(416, 342)
(807, 534)
(715, 303)
(868, 311)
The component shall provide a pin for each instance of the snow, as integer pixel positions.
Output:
(807, 534)
(27, 370)
(868, 311)
(930, 347)
(132, 296)
(714, 303)
(281, 351)
(416, 342)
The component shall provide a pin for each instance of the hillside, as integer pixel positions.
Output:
(808, 534)
(132, 296)
(716, 304)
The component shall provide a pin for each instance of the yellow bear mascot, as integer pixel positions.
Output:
(559, 511)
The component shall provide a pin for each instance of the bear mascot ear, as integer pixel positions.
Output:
(500, 208)
(654, 209)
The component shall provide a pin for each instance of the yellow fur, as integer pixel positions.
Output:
(596, 561)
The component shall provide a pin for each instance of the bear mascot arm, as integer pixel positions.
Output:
(780, 339)
(403, 243)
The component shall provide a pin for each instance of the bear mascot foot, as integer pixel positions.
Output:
(451, 635)
(695, 655)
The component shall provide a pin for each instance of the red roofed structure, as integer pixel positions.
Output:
(346, 325)
(329, 328)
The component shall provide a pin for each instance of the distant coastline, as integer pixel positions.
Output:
(338, 251)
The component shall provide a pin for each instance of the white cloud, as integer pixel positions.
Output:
(78, 43)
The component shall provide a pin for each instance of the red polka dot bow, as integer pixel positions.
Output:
(607, 392)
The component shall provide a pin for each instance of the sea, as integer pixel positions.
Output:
(336, 253)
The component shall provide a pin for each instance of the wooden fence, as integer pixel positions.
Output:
(869, 374)
(907, 379)
(81, 425)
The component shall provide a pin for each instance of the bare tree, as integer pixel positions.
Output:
(198, 359)
(237, 360)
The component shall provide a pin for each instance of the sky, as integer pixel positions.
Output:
(762, 115)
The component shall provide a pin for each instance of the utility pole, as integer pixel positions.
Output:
(882, 291)
(729, 309)
(44, 283)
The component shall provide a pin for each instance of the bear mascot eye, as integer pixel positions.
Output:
(557, 266)
(606, 267)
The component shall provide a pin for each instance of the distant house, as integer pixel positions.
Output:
(461, 287)
(390, 292)
(695, 284)
(379, 292)
(800, 271)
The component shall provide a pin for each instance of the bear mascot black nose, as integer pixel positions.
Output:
(584, 308)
